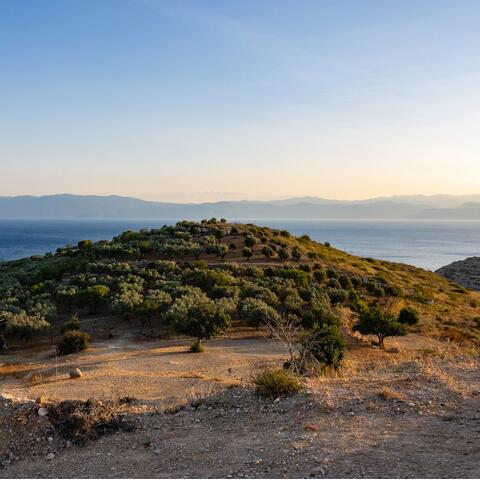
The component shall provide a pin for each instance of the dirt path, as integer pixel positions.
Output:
(155, 370)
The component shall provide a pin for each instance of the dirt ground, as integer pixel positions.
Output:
(414, 412)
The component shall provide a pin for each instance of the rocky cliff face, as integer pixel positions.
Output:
(465, 272)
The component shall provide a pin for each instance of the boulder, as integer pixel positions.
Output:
(76, 373)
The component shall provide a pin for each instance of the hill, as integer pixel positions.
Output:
(91, 206)
(141, 296)
(465, 272)
(148, 275)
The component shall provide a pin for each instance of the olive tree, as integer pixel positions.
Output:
(380, 323)
(202, 320)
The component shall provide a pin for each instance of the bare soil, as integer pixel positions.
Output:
(413, 413)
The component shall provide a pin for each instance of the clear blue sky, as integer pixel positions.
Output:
(195, 100)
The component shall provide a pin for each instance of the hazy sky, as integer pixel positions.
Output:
(196, 100)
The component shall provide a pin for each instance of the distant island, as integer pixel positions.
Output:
(436, 207)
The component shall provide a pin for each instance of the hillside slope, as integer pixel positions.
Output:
(147, 275)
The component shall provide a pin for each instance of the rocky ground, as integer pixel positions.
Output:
(465, 272)
(392, 417)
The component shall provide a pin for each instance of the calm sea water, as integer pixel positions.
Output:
(427, 244)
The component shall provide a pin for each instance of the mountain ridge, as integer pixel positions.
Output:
(117, 206)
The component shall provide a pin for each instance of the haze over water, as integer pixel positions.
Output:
(426, 244)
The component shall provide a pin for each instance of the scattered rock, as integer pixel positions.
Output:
(42, 412)
(76, 373)
(50, 456)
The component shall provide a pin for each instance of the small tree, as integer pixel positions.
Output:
(267, 251)
(380, 323)
(296, 254)
(22, 324)
(203, 320)
(94, 296)
(257, 312)
(154, 303)
(408, 316)
(223, 251)
(250, 241)
(247, 253)
(283, 254)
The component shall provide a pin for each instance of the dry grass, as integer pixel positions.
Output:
(388, 393)
(83, 421)
(16, 370)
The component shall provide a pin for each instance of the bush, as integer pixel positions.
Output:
(196, 347)
(73, 341)
(334, 283)
(325, 345)
(250, 241)
(336, 295)
(319, 275)
(345, 281)
(331, 273)
(257, 312)
(247, 253)
(73, 323)
(80, 421)
(275, 382)
(408, 316)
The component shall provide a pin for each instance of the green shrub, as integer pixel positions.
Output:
(73, 341)
(336, 295)
(345, 282)
(325, 345)
(319, 275)
(276, 382)
(73, 323)
(247, 253)
(257, 312)
(334, 283)
(331, 273)
(408, 316)
(250, 241)
(197, 347)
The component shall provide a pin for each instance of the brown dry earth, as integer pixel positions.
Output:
(414, 413)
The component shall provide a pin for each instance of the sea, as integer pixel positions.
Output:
(423, 243)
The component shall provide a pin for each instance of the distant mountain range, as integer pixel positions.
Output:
(90, 206)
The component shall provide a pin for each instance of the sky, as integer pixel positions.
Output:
(247, 99)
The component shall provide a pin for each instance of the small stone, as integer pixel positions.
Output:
(50, 456)
(42, 412)
(69, 443)
(75, 373)
(50, 439)
(157, 451)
